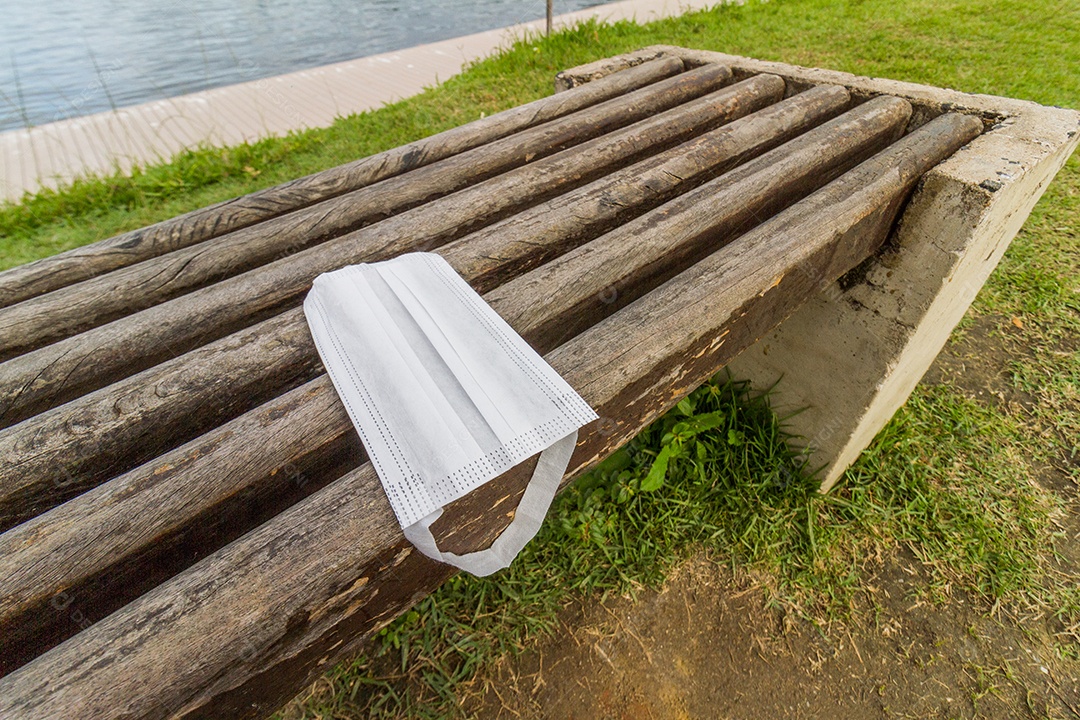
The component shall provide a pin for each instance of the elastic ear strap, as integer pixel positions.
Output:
(530, 513)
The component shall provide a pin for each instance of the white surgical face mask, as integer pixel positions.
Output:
(445, 395)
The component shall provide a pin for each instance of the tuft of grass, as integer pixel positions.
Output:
(949, 479)
(1036, 290)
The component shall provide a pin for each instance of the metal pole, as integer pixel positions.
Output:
(549, 4)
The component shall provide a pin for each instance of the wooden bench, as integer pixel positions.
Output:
(189, 526)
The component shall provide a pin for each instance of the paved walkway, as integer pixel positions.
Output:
(48, 155)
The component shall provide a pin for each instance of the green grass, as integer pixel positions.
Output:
(954, 479)
(1039, 284)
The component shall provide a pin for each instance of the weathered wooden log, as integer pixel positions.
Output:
(334, 568)
(51, 457)
(642, 254)
(545, 231)
(88, 557)
(71, 367)
(48, 274)
(90, 303)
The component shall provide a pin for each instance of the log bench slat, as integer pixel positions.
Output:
(191, 528)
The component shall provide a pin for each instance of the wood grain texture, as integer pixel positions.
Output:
(66, 369)
(48, 274)
(111, 544)
(72, 309)
(242, 630)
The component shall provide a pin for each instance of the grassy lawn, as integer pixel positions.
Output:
(976, 476)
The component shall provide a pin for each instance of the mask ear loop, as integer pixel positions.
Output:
(530, 513)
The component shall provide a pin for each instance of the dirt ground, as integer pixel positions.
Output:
(702, 648)
(707, 646)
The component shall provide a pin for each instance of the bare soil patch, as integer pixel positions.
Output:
(707, 646)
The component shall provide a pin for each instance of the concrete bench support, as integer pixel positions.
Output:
(850, 357)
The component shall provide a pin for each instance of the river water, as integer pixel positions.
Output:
(64, 58)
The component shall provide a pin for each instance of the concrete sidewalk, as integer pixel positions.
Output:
(50, 155)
